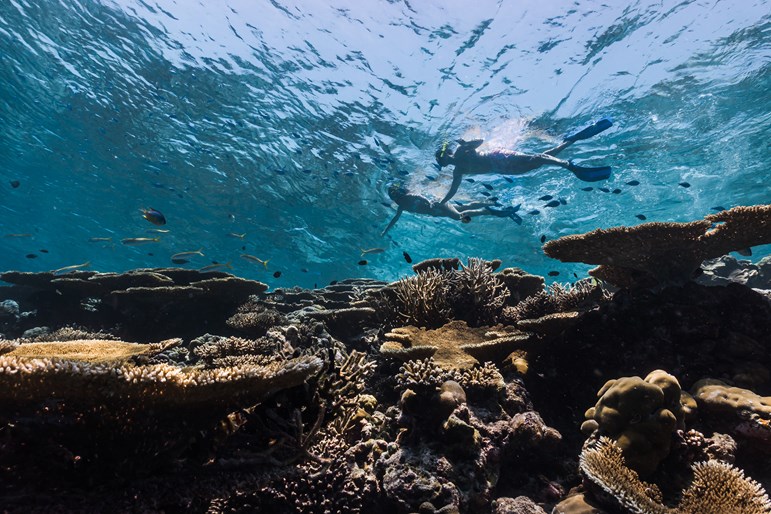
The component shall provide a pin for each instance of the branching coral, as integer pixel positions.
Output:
(558, 298)
(663, 252)
(255, 318)
(716, 488)
(479, 294)
(423, 300)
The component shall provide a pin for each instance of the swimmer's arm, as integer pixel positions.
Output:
(393, 221)
(457, 176)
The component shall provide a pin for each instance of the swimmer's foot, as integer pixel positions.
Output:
(588, 174)
(507, 212)
(591, 130)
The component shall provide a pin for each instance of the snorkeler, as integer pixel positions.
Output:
(468, 161)
(421, 205)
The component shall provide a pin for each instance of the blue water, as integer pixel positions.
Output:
(285, 120)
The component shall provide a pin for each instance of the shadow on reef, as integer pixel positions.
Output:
(461, 388)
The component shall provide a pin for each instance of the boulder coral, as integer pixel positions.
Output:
(640, 415)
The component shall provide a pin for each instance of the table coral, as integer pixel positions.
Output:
(662, 252)
(453, 346)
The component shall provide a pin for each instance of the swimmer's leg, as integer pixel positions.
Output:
(590, 131)
(473, 206)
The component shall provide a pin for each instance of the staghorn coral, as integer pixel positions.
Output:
(658, 252)
(641, 415)
(423, 300)
(216, 351)
(716, 488)
(453, 346)
(584, 295)
(479, 294)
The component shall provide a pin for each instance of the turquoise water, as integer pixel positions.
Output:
(284, 122)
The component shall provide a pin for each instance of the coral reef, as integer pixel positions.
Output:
(659, 252)
(738, 411)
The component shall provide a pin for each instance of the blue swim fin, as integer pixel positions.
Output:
(590, 174)
(591, 130)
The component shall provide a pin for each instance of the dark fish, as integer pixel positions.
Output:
(180, 261)
(307, 171)
(43, 250)
(575, 275)
(554, 273)
(684, 184)
(407, 257)
(508, 179)
(633, 183)
(304, 270)
(718, 208)
(31, 256)
(430, 177)
(640, 217)
(484, 193)
(334, 282)
(546, 197)
(590, 188)
(471, 180)
(363, 263)
(243, 248)
(604, 189)
(543, 239)
(553, 203)
(153, 216)
(276, 274)
(15, 184)
(151, 254)
(488, 187)
(616, 191)
(534, 212)
(747, 252)
(563, 201)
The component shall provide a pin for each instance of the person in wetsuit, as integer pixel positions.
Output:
(418, 204)
(468, 161)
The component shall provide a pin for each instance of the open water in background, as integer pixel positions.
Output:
(284, 121)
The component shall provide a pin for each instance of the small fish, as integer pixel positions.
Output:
(153, 216)
(133, 241)
(545, 198)
(99, 239)
(470, 180)
(575, 275)
(276, 274)
(563, 201)
(304, 270)
(747, 252)
(67, 269)
(488, 187)
(15, 184)
(43, 250)
(215, 266)
(307, 171)
(718, 208)
(18, 235)
(534, 212)
(151, 254)
(371, 250)
(363, 263)
(237, 236)
(182, 255)
(484, 193)
(616, 191)
(633, 183)
(684, 184)
(430, 177)
(508, 179)
(553, 203)
(604, 189)
(543, 239)
(255, 259)
(157, 231)
(180, 261)
(31, 256)
(589, 188)
(554, 273)
(640, 217)
(407, 257)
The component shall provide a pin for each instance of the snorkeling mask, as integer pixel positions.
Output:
(443, 155)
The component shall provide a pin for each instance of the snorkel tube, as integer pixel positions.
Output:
(443, 155)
